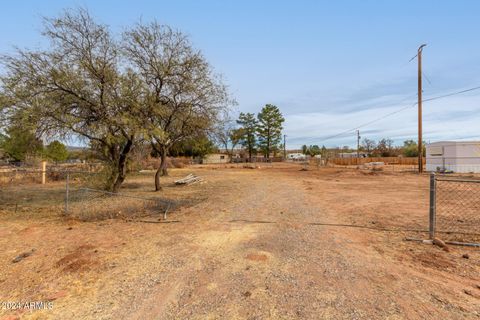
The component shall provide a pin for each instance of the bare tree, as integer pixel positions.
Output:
(368, 145)
(78, 87)
(385, 147)
(150, 86)
(228, 136)
(183, 96)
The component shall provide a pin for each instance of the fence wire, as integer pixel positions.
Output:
(20, 177)
(457, 209)
(76, 194)
(21, 190)
(92, 204)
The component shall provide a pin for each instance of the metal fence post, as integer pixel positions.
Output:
(432, 215)
(67, 187)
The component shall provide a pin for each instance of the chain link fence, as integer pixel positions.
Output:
(32, 191)
(86, 200)
(20, 177)
(89, 204)
(455, 208)
(76, 194)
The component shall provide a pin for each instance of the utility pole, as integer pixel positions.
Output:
(420, 147)
(285, 147)
(358, 144)
(358, 147)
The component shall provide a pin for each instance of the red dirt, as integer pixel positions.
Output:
(81, 259)
(256, 257)
(271, 243)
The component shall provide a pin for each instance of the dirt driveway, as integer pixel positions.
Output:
(269, 243)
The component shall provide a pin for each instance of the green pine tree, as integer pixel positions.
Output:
(248, 125)
(269, 129)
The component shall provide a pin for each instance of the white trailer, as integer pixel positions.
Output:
(456, 156)
(296, 156)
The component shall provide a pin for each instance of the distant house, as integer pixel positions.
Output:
(456, 156)
(218, 157)
(223, 156)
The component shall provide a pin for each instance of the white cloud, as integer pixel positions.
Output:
(452, 118)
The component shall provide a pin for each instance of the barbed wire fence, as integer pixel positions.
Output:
(455, 208)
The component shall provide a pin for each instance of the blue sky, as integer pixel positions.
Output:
(329, 65)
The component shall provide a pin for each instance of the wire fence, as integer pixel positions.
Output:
(20, 177)
(227, 160)
(32, 191)
(387, 160)
(455, 208)
(76, 194)
(92, 204)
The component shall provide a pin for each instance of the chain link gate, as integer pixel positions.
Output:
(455, 208)
(85, 201)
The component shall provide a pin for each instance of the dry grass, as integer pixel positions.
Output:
(270, 243)
(31, 199)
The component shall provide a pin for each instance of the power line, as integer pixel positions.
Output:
(398, 111)
(370, 122)
(427, 78)
(451, 94)
(365, 124)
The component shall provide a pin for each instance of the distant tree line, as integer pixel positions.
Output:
(314, 150)
(385, 148)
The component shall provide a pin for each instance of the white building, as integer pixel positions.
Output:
(296, 156)
(219, 157)
(456, 156)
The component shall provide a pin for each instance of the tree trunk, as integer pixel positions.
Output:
(158, 187)
(121, 167)
(231, 155)
(162, 169)
(268, 145)
(118, 182)
(163, 165)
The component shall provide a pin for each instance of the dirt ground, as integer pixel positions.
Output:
(273, 242)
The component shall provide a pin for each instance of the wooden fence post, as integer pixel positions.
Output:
(44, 171)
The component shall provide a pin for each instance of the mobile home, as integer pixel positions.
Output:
(456, 156)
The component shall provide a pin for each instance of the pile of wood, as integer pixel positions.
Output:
(374, 166)
(190, 179)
